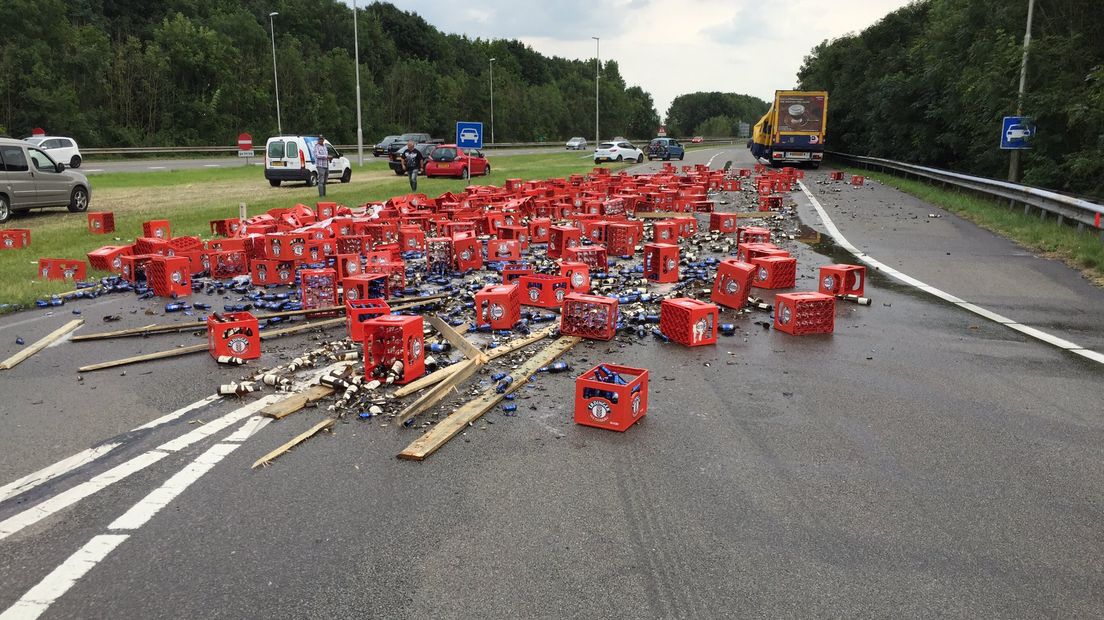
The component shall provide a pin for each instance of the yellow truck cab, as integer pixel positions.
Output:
(793, 129)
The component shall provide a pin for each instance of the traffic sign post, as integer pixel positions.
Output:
(245, 147)
(1017, 133)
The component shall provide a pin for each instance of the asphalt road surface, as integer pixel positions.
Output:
(923, 460)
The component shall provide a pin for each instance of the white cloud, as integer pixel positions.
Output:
(668, 47)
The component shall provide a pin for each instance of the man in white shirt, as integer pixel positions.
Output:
(322, 162)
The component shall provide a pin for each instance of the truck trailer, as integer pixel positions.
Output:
(793, 129)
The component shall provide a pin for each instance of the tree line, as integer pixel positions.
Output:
(713, 114)
(930, 82)
(198, 72)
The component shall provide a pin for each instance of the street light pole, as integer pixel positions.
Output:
(356, 59)
(597, 65)
(275, 78)
(1014, 161)
(491, 65)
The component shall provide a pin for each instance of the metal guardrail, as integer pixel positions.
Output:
(1084, 212)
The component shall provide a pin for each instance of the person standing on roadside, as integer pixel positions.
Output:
(412, 164)
(322, 162)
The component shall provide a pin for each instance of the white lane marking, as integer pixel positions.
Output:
(212, 165)
(71, 496)
(158, 168)
(160, 497)
(709, 163)
(218, 424)
(250, 428)
(62, 467)
(178, 413)
(41, 596)
(1027, 330)
(93, 169)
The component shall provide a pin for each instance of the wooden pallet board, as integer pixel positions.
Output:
(42, 343)
(295, 402)
(454, 337)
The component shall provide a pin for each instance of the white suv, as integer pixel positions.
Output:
(63, 150)
(618, 150)
(291, 158)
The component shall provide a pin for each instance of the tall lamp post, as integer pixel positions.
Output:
(491, 65)
(1014, 161)
(597, 65)
(356, 59)
(275, 79)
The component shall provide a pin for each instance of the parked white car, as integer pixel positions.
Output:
(291, 158)
(618, 151)
(576, 144)
(61, 150)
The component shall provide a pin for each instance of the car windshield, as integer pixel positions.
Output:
(443, 154)
(34, 141)
(606, 145)
(576, 140)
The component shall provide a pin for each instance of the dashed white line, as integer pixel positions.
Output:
(1027, 330)
(168, 417)
(709, 164)
(41, 596)
(158, 168)
(212, 165)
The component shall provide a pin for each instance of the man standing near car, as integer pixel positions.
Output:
(412, 164)
(322, 162)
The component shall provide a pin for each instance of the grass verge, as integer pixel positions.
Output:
(189, 199)
(1083, 251)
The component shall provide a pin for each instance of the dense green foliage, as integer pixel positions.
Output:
(930, 82)
(712, 114)
(182, 72)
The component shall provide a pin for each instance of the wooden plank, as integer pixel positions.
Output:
(465, 346)
(431, 379)
(521, 343)
(459, 419)
(46, 341)
(305, 435)
(432, 397)
(295, 402)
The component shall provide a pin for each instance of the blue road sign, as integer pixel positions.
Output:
(1017, 132)
(469, 135)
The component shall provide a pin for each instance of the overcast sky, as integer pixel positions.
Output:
(668, 47)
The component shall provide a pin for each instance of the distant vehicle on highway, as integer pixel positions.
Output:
(416, 137)
(665, 149)
(1017, 132)
(576, 144)
(793, 130)
(697, 140)
(449, 160)
(291, 158)
(383, 146)
(618, 150)
(31, 179)
(64, 150)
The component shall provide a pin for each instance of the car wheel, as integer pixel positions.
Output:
(274, 182)
(620, 159)
(347, 175)
(487, 171)
(596, 162)
(78, 200)
(640, 158)
(312, 180)
(464, 174)
(681, 155)
(75, 162)
(5, 209)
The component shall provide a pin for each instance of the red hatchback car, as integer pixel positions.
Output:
(448, 160)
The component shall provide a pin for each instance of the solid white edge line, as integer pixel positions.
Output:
(61, 579)
(178, 413)
(251, 427)
(62, 467)
(1037, 334)
(214, 426)
(160, 497)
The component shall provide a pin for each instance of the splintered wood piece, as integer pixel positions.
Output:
(307, 434)
(46, 341)
(295, 402)
(465, 346)
(439, 391)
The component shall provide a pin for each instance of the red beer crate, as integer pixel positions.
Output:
(152, 245)
(498, 305)
(732, 284)
(748, 251)
(593, 255)
(225, 245)
(503, 250)
(661, 262)
(61, 269)
(14, 238)
(688, 226)
(514, 271)
(770, 203)
(723, 222)
(665, 231)
(157, 229)
(233, 334)
(394, 338)
(540, 229)
(228, 264)
(354, 244)
(133, 267)
(109, 257)
(325, 210)
(285, 246)
(319, 249)
(438, 255)
(226, 228)
(621, 238)
(857, 180)
(754, 234)
(318, 288)
(412, 238)
(101, 222)
(169, 276)
(515, 232)
(562, 238)
(264, 272)
(589, 316)
(394, 270)
(611, 397)
(543, 290)
(366, 286)
(688, 321)
(360, 310)
(347, 265)
(842, 280)
(594, 230)
(775, 272)
(578, 276)
(468, 254)
(799, 314)
(836, 175)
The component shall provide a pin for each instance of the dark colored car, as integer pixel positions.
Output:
(384, 146)
(416, 137)
(395, 158)
(665, 149)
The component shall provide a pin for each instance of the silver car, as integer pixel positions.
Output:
(576, 144)
(30, 179)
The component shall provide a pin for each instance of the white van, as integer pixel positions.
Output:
(291, 158)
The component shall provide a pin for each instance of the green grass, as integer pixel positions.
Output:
(189, 199)
(1084, 251)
